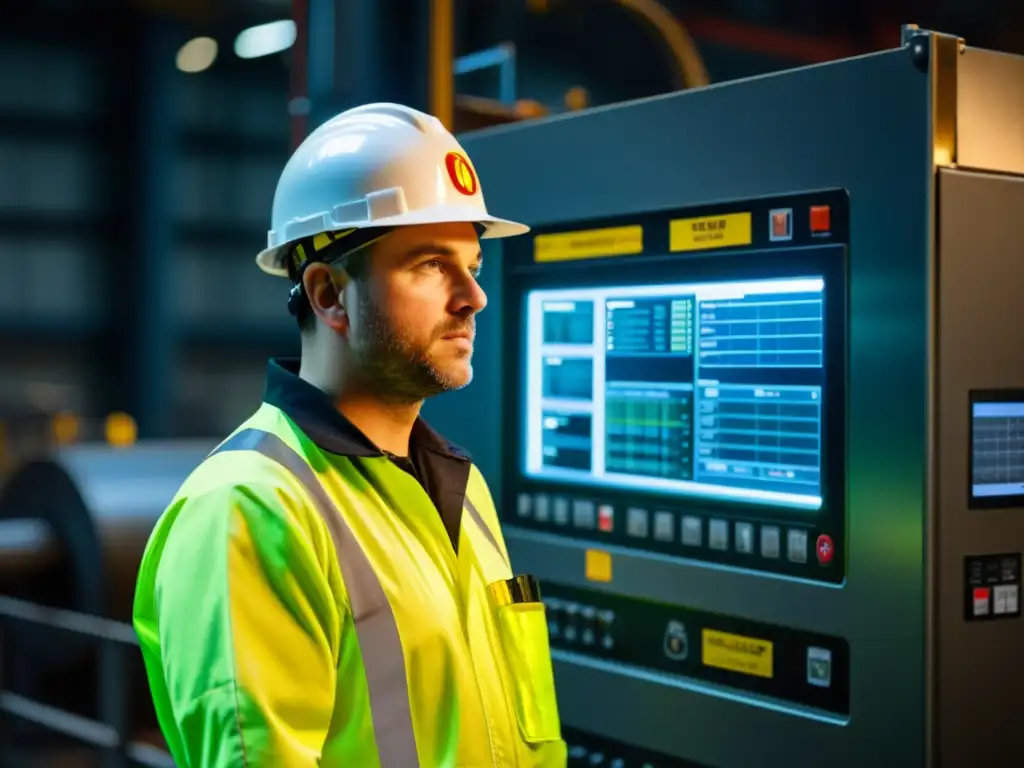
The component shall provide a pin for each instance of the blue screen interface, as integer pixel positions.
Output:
(710, 390)
(997, 446)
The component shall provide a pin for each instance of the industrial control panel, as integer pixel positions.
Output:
(682, 404)
(682, 395)
(749, 398)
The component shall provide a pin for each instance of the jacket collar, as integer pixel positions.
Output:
(316, 415)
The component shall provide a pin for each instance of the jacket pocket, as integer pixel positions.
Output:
(523, 631)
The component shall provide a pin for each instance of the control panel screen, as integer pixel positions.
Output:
(710, 389)
(997, 449)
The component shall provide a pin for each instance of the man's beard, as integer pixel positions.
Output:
(396, 367)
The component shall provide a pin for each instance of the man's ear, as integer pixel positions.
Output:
(324, 288)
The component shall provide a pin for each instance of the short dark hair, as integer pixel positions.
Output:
(356, 266)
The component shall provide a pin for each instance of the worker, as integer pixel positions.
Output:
(331, 587)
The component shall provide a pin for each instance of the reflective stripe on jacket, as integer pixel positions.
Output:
(297, 608)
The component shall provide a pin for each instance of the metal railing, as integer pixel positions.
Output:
(110, 734)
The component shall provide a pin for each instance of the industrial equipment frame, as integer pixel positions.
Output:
(109, 734)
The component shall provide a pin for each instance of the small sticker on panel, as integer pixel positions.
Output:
(598, 565)
(736, 653)
(707, 232)
(589, 244)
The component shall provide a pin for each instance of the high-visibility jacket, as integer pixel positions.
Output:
(298, 608)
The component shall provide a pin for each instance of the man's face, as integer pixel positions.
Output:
(412, 319)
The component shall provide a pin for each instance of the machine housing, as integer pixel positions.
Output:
(919, 154)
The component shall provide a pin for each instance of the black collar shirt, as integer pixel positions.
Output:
(440, 467)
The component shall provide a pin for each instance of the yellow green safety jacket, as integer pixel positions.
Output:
(306, 600)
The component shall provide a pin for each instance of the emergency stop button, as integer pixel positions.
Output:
(825, 549)
(821, 219)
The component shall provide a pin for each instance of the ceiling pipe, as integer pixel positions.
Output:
(690, 69)
(777, 44)
(442, 58)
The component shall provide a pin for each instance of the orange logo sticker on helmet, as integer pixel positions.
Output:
(461, 173)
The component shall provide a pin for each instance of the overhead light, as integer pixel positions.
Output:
(197, 54)
(265, 39)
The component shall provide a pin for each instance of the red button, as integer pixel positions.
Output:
(780, 225)
(821, 218)
(825, 549)
(606, 518)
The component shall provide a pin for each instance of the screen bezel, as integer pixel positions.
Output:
(980, 396)
(804, 256)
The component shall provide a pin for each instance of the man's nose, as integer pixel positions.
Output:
(470, 296)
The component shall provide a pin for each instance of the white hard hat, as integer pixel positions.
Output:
(379, 165)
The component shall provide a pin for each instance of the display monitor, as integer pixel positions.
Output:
(705, 389)
(997, 448)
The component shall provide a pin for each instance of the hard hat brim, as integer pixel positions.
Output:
(272, 260)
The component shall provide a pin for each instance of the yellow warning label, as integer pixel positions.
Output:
(709, 232)
(599, 565)
(589, 244)
(746, 655)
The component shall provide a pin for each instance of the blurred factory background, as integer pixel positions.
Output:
(140, 143)
(138, 168)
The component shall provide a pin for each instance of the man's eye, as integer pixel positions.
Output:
(432, 264)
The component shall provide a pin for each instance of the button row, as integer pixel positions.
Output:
(722, 535)
(570, 623)
(582, 757)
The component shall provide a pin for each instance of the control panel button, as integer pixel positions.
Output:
(744, 538)
(541, 508)
(821, 219)
(771, 543)
(819, 667)
(981, 600)
(583, 514)
(1005, 599)
(781, 220)
(561, 510)
(824, 549)
(718, 535)
(570, 629)
(691, 531)
(577, 753)
(588, 618)
(553, 609)
(677, 644)
(524, 504)
(664, 526)
(796, 545)
(637, 522)
(606, 518)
